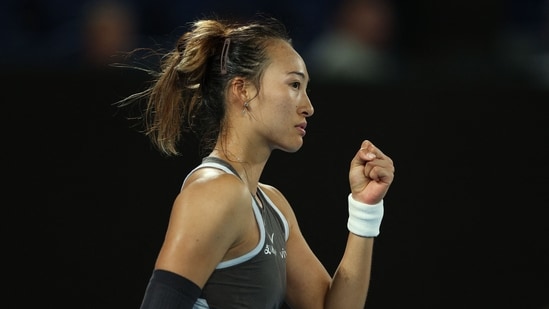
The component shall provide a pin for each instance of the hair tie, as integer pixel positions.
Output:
(225, 55)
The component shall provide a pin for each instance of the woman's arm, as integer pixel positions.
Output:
(309, 284)
(206, 226)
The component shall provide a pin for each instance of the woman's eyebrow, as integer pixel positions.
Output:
(301, 74)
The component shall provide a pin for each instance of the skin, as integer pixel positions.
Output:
(274, 119)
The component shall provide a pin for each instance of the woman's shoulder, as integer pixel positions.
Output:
(278, 198)
(272, 192)
(208, 176)
(212, 186)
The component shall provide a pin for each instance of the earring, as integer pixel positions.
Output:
(246, 104)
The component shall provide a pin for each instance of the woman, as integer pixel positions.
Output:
(232, 241)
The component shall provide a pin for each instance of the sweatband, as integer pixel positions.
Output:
(167, 290)
(364, 219)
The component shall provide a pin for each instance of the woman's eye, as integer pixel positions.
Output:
(296, 85)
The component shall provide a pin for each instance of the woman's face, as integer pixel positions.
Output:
(283, 106)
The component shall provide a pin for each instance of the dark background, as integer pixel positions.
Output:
(465, 226)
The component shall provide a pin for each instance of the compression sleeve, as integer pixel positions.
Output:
(168, 290)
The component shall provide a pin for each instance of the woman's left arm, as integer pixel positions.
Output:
(309, 285)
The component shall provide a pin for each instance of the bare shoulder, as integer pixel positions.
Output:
(209, 200)
(212, 189)
(279, 200)
(274, 194)
(210, 216)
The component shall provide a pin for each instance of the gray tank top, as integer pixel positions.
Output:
(257, 279)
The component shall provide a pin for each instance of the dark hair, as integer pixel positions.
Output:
(188, 93)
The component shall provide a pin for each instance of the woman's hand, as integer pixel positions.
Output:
(371, 173)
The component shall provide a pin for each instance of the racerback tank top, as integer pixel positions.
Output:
(257, 279)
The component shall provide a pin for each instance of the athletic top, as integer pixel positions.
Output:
(256, 279)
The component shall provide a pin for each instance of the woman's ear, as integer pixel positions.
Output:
(238, 90)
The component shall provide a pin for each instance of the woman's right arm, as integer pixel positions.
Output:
(197, 238)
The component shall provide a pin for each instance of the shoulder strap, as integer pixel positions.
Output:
(215, 163)
(219, 163)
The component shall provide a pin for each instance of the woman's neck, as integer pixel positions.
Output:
(248, 169)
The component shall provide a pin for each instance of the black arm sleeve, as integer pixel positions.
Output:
(167, 290)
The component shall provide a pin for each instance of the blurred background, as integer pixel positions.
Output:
(454, 92)
(373, 40)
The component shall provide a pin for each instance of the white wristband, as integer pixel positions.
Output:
(364, 219)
